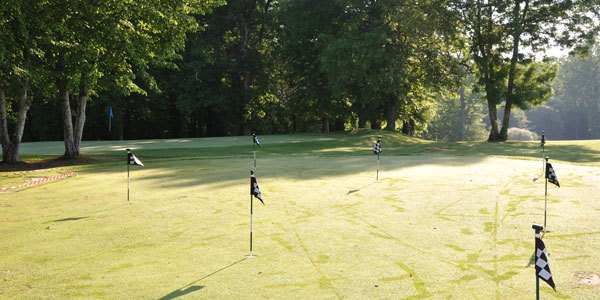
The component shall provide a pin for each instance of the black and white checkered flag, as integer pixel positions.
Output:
(255, 139)
(254, 190)
(542, 269)
(132, 160)
(377, 148)
(551, 175)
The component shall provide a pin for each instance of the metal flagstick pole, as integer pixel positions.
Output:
(545, 196)
(254, 154)
(128, 176)
(251, 211)
(537, 229)
(377, 178)
(543, 152)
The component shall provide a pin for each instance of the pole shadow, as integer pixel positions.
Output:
(182, 292)
(360, 188)
(85, 217)
(190, 287)
(69, 219)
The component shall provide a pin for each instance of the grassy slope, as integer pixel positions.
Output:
(450, 222)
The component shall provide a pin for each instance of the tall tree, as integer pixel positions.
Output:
(577, 95)
(101, 44)
(20, 33)
(225, 66)
(389, 57)
(505, 37)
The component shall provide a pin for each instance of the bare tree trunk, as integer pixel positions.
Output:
(375, 124)
(463, 114)
(362, 120)
(7, 153)
(70, 149)
(325, 123)
(518, 28)
(493, 113)
(10, 146)
(391, 115)
(81, 106)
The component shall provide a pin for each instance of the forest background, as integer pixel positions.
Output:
(446, 70)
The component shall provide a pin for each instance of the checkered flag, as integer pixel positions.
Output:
(132, 160)
(254, 190)
(255, 139)
(550, 175)
(542, 269)
(377, 147)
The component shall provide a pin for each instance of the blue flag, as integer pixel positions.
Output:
(110, 113)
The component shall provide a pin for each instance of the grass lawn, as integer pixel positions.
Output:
(445, 220)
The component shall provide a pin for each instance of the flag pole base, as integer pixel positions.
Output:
(250, 256)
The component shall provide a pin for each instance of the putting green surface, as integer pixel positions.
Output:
(452, 223)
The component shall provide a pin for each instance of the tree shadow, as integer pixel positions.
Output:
(191, 287)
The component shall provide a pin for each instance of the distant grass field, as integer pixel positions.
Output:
(445, 220)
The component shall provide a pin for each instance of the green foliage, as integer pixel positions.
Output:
(458, 117)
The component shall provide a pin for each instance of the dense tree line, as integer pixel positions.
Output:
(574, 110)
(183, 68)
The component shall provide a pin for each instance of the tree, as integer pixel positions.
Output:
(95, 46)
(389, 57)
(20, 33)
(577, 95)
(506, 35)
(225, 68)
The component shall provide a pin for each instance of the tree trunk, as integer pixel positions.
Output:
(8, 154)
(10, 146)
(375, 124)
(518, 28)
(391, 115)
(70, 149)
(325, 123)
(362, 120)
(494, 134)
(463, 114)
(81, 106)
(505, 121)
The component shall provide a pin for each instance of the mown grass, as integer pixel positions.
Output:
(445, 220)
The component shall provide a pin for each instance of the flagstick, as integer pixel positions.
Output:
(127, 182)
(537, 229)
(543, 154)
(251, 211)
(377, 178)
(545, 196)
(254, 151)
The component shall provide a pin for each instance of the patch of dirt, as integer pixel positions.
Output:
(45, 164)
(587, 278)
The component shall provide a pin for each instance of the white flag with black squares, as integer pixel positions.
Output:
(254, 190)
(132, 160)
(377, 147)
(255, 139)
(542, 269)
(551, 175)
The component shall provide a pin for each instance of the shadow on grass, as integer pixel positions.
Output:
(69, 219)
(190, 287)
(349, 153)
(85, 217)
(182, 292)
(360, 188)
